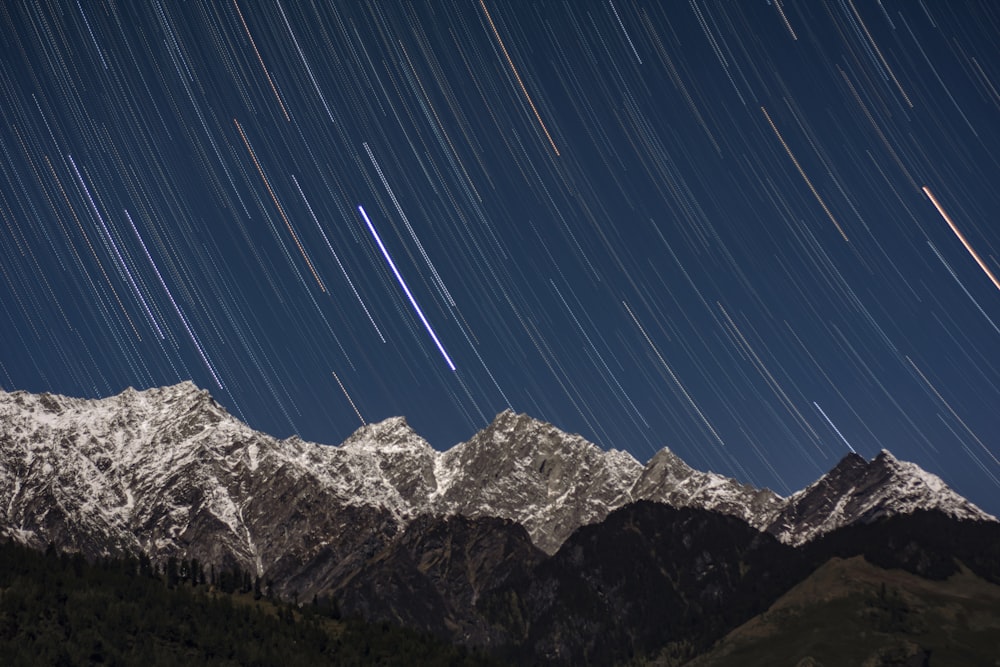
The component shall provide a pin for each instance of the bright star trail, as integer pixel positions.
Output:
(406, 289)
(685, 224)
(834, 427)
(961, 237)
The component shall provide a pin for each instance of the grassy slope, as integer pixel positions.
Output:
(849, 612)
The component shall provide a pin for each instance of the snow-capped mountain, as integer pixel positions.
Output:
(168, 472)
(860, 491)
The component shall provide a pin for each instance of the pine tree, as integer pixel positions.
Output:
(173, 574)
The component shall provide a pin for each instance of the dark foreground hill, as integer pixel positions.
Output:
(892, 617)
(917, 590)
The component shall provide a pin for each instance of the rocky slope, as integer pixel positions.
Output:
(530, 472)
(667, 479)
(168, 472)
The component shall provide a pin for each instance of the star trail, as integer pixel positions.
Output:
(686, 224)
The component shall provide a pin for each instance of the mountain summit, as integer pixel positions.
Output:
(168, 472)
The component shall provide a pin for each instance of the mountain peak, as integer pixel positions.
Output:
(668, 459)
(185, 393)
(885, 455)
(388, 426)
(510, 421)
(519, 435)
(183, 385)
(850, 461)
(389, 435)
(532, 472)
(182, 388)
(506, 414)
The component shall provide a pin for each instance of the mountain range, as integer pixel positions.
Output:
(480, 543)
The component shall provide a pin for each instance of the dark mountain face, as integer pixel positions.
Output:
(432, 577)
(656, 582)
(649, 576)
(928, 543)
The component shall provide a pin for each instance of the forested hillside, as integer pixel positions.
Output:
(58, 609)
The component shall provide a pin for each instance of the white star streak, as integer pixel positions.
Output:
(952, 411)
(349, 399)
(673, 376)
(402, 283)
(833, 426)
(625, 32)
(177, 309)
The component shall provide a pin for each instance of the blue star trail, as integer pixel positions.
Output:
(682, 224)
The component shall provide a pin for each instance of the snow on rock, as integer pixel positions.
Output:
(667, 479)
(856, 490)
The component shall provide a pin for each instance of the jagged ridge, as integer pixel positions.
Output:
(169, 472)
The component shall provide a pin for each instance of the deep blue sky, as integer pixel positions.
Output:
(701, 225)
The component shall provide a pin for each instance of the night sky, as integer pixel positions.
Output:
(761, 233)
